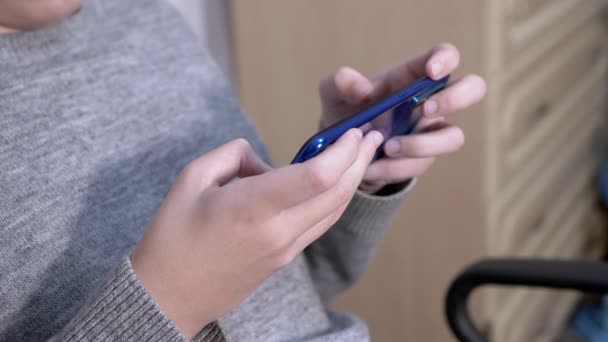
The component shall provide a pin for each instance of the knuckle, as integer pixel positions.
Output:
(191, 170)
(380, 170)
(320, 178)
(283, 259)
(242, 144)
(393, 170)
(275, 240)
(413, 147)
(334, 217)
(343, 194)
(278, 252)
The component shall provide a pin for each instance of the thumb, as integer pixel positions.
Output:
(370, 144)
(234, 159)
(345, 85)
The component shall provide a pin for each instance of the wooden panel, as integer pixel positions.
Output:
(516, 44)
(529, 213)
(285, 47)
(532, 97)
(523, 164)
(520, 315)
(531, 20)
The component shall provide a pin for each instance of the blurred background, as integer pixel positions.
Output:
(526, 183)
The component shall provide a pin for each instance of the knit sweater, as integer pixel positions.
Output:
(98, 114)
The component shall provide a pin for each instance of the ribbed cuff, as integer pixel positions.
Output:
(121, 310)
(211, 333)
(366, 212)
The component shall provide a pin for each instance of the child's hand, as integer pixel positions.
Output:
(346, 91)
(212, 243)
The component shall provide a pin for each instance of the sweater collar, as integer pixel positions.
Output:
(70, 33)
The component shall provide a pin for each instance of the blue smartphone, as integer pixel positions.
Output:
(400, 117)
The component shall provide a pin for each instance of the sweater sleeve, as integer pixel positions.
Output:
(340, 257)
(122, 310)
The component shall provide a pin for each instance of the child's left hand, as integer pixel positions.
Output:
(346, 91)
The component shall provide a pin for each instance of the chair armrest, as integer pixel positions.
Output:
(575, 275)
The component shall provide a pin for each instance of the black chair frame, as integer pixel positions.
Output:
(589, 277)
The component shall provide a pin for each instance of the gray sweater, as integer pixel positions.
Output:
(98, 114)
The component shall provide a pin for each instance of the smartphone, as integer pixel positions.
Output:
(394, 115)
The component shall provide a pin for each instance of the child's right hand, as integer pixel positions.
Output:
(212, 243)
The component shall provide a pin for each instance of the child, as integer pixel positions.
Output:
(120, 218)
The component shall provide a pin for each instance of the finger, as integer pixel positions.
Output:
(436, 62)
(462, 94)
(289, 186)
(234, 159)
(427, 125)
(371, 187)
(397, 170)
(345, 85)
(314, 233)
(443, 60)
(315, 210)
(445, 139)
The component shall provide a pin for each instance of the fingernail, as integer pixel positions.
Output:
(361, 92)
(358, 133)
(377, 137)
(436, 68)
(431, 107)
(392, 147)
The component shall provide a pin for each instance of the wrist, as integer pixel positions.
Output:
(174, 302)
